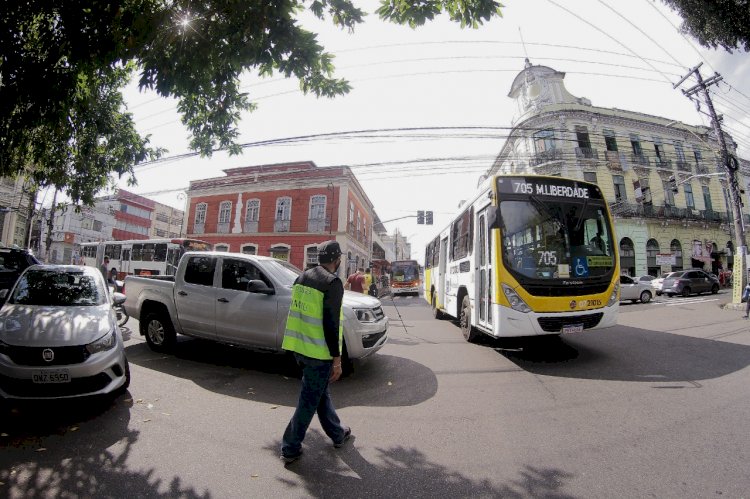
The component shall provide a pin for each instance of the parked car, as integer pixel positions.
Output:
(241, 300)
(13, 261)
(686, 282)
(59, 336)
(634, 291)
(657, 283)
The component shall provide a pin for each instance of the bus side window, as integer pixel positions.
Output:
(160, 253)
(135, 254)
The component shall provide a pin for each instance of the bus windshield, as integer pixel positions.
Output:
(405, 271)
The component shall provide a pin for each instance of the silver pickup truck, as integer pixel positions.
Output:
(241, 300)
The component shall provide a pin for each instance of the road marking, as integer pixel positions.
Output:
(691, 302)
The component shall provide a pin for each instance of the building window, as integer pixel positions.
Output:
(676, 249)
(609, 140)
(620, 193)
(668, 194)
(627, 256)
(317, 216)
(707, 198)
(544, 140)
(311, 257)
(280, 253)
(582, 135)
(679, 151)
(689, 201)
(221, 247)
(652, 249)
(252, 214)
(635, 144)
(661, 155)
(359, 225)
(249, 249)
(283, 214)
(200, 213)
(225, 212)
(698, 156)
(589, 177)
(351, 211)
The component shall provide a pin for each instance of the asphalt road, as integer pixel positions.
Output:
(657, 406)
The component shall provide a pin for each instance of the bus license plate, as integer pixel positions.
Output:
(573, 328)
(51, 376)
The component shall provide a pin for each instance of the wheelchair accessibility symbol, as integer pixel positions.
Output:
(580, 266)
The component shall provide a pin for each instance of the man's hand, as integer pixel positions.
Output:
(336, 371)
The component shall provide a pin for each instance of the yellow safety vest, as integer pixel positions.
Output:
(304, 325)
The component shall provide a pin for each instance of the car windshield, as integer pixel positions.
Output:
(58, 288)
(284, 272)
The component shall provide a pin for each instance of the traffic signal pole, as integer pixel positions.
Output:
(730, 164)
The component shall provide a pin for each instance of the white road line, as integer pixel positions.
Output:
(690, 302)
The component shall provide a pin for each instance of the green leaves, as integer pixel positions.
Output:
(716, 23)
(65, 62)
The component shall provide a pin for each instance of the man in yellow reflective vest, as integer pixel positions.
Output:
(314, 334)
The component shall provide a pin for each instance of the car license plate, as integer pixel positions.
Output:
(51, 376)
(572, 328)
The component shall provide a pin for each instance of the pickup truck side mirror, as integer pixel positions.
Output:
(118, 299)
(258, 286)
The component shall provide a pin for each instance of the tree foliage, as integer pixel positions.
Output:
(716, 23)
(64, 62)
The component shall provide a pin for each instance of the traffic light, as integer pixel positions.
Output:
(428, 218)
(420, 217)
(673, 184)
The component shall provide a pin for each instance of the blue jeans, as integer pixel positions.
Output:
(313, 397)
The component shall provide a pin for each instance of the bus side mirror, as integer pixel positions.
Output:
(493, 219)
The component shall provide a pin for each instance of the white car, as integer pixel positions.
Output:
(59, 336)
(657, 283)
(631, 290)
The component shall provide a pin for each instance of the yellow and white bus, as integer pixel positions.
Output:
(140, 256)
(528, 255)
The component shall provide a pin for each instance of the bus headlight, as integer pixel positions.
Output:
(516, 303)
(613, 297)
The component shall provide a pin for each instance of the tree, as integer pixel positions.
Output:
(65, 62)
(716, 23)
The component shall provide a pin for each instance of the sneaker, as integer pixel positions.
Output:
(347, 436)
(291, 459)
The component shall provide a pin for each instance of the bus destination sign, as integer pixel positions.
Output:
(549, 187)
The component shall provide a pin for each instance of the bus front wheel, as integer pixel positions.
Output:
(469, 332)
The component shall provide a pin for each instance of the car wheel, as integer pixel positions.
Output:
(685, 291)
(645, 297)
(670, 295)
(714, 289)
(125, 386)
(469, 332)
(436, 312)
(159, 332)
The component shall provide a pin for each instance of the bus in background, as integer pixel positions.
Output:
(405, 277)
(140, 256)
(528, 255)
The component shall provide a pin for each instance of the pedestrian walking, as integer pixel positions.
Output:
(746, 299)
(314, 334)
(356, 281)
(104, 269)
(367, 281)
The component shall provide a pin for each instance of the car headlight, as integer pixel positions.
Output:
(614, 295)
(365, 315)
(106, 342)
(516, 302)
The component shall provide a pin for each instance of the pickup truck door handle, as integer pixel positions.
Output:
(223, 300)
(182, 293)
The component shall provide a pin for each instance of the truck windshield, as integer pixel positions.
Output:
(284, 272)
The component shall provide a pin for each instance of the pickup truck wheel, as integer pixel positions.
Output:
(159, 332)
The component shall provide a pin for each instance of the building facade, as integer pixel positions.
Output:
(121, 216)
(283, 211)
(631, 157)
(16, 198)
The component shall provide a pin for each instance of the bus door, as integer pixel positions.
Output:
(173, 257)
(484, 271)
(126, 261)
(443, 267)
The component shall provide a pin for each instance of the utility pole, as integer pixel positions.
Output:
(731, 166)
(50, 223)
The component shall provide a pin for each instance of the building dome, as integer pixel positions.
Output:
(538, 86)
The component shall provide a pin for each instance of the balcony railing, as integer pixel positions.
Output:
(586, 153)
(626, 209)
(199, 228)
(251, 226)
(222, 228)
(663, 163)
(281, 226)
(546, 156)
(316, 225)
(683, 166)
(640, 160)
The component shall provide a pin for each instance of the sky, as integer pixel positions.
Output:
(617, 54)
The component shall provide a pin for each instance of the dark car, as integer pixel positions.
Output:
(13, 261)
(687, 282)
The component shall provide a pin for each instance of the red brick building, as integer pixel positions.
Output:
(283, 210)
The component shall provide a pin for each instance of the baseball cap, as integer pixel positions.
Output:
(328, 251)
